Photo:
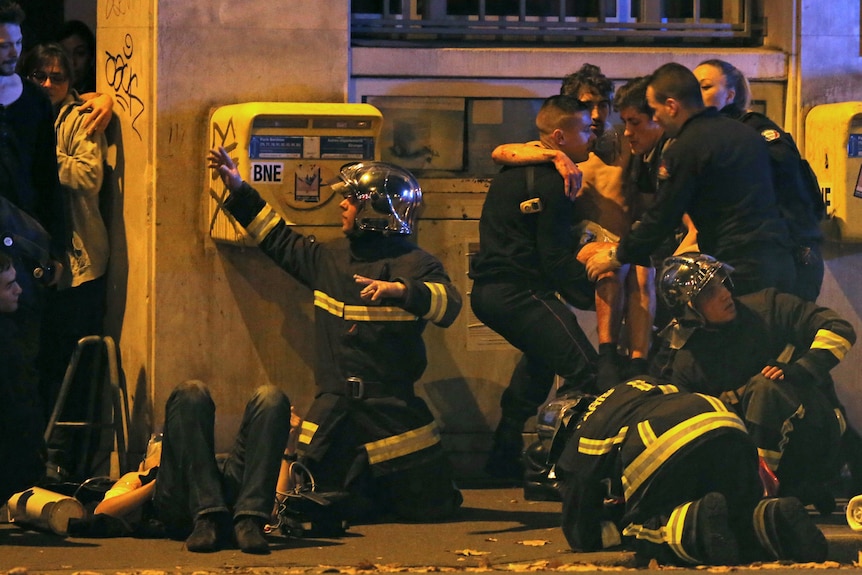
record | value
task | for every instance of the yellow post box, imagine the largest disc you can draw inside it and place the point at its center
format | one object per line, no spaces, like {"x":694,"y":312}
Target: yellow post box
{"x":288,"y":151}
{"x":833,"y":147}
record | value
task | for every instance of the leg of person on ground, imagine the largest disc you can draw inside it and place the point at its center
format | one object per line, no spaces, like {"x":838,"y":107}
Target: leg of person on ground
{"x":188,"y":497}
{"x":252,"y":467}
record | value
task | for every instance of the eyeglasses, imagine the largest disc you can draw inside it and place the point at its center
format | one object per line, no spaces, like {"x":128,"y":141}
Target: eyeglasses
{"x":56,"y":77}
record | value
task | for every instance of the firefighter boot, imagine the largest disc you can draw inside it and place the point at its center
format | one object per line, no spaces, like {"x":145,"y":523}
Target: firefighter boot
{"x":786,"y":531}
{"x":706,"y":534}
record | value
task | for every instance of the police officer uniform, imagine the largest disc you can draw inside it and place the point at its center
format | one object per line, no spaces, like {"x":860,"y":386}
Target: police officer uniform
{"x":366,"y":432}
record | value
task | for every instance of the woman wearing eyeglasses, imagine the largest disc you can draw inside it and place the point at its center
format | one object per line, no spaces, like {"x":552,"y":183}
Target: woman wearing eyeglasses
{"x":76,"y":308}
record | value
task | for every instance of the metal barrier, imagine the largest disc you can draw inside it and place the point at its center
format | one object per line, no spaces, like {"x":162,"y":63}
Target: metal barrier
{"x":105,"y":374}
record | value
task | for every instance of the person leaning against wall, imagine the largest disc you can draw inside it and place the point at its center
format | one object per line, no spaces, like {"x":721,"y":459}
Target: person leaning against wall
{"x":75,"y":308}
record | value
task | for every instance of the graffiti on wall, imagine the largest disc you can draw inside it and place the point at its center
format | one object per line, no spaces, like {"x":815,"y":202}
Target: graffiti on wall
{"x":123,"y":80}
{"x":117,"y":8}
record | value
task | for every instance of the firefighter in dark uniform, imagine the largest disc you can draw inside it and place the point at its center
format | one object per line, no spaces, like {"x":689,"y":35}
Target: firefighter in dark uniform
{"x":366,"y":433}
{"x":796,"y":189}
{"x":769,"y":354}
{"x":718,"y":172}
{"x":674,"y":476}
{"x":527,"y":256}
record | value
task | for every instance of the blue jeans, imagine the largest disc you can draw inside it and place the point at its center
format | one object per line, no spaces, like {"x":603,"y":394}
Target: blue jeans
{"x":190,"y":481}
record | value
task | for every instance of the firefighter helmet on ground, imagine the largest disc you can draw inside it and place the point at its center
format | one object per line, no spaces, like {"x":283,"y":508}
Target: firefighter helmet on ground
{"x":684,"y":276}
{"x":388,"y":197}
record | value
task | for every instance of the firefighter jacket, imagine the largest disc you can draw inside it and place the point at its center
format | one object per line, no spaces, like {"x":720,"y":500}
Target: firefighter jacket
{"x":376,"y":343}
{"x":619,"y":451}
{"x":716,"y":359}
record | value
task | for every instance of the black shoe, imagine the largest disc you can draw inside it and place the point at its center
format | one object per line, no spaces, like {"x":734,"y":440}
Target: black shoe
{"x":786,"y":531}
{"x":708,"y":537}
{"x":504,"y":460}
{"x":249,"y":535}
{"x":204,"y":537}
{"x":540,"y":483}
{"x":547,"y":490}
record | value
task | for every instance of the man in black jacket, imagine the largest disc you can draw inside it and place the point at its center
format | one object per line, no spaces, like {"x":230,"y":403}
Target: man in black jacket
{"x":22,"y":448}
{"x":718,"y":172}
{"x":527,"y":256}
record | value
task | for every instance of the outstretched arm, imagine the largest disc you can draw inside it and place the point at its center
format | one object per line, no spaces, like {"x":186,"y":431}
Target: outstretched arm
{"x":220,"y":161}
{"x":374,"y":290}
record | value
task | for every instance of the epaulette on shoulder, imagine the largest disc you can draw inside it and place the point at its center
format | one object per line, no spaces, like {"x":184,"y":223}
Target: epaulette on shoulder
{"x":770,"y":135}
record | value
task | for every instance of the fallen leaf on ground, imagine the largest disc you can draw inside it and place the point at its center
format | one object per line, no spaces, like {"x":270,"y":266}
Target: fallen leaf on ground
{"x":470,"y":552}
{"x":534,"y":542}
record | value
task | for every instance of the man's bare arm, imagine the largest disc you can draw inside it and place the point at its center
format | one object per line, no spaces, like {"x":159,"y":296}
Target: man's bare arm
{"x":535,"y":153}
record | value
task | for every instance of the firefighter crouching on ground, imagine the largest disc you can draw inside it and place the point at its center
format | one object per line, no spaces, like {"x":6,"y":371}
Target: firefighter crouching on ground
{"x":769,"y":355}
{"x":674,"y":476}
{"x":366,"y":433}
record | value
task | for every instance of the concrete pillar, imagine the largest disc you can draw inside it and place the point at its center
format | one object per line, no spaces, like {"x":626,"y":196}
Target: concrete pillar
{"x":180,"y":306}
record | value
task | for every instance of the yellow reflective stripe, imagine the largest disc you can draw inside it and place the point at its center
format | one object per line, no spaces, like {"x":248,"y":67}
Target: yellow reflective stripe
{"x":771,"y":458}
{"x":378,"y":313}
{"x":402,"y":444}
{"x":589,"y":446}
{"x":715,"y":402}
{"x":671,"y":441}
{"x":842,"y":421}
{"x":831,"y":342}
{"x":656,"y":536}
{"x":262,"y":224}
{"x":328,"y":304}
{"x":675,"y":526}
{"x":360,"y":312}
{"x":668,"y":388}
{"x":759,"y":521}
{"x":438,"y":302}
{"x":646,"y":433}
{"x":307,"y":431}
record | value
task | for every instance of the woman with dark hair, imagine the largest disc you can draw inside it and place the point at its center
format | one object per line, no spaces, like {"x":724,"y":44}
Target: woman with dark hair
{"x":79,"y":43}
{"x":76,"y":308}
